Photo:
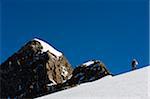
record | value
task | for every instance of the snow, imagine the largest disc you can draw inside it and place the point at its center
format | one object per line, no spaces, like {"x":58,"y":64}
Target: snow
{"x":70,"y":76}
{"x":131,"y":85}
{"x":64,"y":71}
{"x":47,"y":47}
{"x":53,"y":81}
{"x":88,"y":63}
{"x":51,"y":84}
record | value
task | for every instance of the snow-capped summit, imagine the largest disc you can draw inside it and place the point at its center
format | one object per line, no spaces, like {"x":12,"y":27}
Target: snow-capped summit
{"x":38,"y":68}
{"x":48,"y":47}
{"x":34,"y":69}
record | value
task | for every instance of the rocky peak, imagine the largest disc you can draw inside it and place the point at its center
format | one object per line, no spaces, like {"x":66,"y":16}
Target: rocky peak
{"x":38,"y":69}
{"x":33,"y":70}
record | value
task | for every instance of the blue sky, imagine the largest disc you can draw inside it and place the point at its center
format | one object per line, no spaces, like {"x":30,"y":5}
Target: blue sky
{"x":112,"y":31}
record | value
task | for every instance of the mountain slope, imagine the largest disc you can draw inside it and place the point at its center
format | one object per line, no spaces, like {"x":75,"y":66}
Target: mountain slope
{"x":131,"y":85}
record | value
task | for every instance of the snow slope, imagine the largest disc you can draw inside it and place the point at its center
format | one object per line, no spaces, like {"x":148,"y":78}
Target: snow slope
{"x":131,"y":85}
{"x":47,"y":47}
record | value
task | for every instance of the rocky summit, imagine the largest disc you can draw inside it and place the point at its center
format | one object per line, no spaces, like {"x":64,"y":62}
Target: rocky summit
{"x":33,"y":70}
{"x":38,"y":69}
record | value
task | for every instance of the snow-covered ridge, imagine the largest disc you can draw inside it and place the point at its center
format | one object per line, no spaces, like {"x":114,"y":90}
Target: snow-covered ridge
{"x":131,"y":85}
{"x":48,"y":47}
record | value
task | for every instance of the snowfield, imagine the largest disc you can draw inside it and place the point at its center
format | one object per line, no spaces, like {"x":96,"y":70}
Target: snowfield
{"x":131,"y":85}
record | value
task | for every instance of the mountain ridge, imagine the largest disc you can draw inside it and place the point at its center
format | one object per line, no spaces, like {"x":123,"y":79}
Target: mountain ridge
{"x":37,"y":68}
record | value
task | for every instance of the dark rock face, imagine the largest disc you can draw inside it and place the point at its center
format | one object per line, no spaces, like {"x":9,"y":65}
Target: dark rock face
{"x":31,"y":72}
{"x":84,"y":73}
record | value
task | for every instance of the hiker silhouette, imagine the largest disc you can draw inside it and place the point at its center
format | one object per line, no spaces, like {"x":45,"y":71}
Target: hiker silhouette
{"x":134,"y":64}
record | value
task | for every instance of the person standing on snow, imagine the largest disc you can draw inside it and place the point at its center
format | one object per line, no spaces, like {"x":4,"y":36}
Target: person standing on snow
{"x":134,"y":64}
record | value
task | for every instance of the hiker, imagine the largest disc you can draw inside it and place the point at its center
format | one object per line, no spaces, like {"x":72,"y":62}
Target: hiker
{"x":134,"y":64}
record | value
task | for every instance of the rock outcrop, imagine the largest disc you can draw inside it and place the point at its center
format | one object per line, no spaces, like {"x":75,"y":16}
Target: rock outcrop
{"x":87,"y":72}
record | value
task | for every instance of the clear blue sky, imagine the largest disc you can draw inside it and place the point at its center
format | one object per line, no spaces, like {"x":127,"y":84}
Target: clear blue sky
{"x":112,"y":31}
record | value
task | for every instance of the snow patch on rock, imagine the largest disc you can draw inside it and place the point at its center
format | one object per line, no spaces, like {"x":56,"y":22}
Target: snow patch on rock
{"x":48,"y":47}
{"x":88,"y":63}
{"x":64,"y":71}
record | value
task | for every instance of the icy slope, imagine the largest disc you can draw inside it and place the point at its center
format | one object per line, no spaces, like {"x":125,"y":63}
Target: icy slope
{"x":131,"y":85}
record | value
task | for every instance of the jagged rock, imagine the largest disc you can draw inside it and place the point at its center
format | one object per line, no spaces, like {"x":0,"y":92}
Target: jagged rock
{"x":58,"y":70}
{"x":87,"y":72}
{"x":35,"y":69}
